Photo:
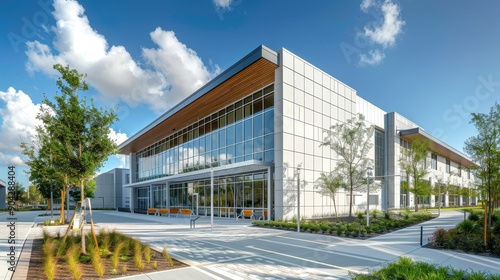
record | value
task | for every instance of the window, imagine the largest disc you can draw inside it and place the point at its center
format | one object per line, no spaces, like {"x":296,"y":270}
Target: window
{"x":459,"y":170}
{"x":434,"y":159}
{"x":448,"y":166}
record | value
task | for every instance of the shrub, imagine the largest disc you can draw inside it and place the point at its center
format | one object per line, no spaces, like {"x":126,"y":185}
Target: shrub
{"x":387,"y":215}
{"x":360,"y":215}
{"x":473,"y":216}
{"x":467,"y":227}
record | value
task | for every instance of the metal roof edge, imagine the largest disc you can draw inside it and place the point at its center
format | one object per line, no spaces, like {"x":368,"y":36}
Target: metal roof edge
{"x":258,"y":53}
{"x":421,"y":131}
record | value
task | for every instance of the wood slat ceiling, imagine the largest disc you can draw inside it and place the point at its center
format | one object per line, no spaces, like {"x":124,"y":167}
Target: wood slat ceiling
{"x":442,"y":151}
{"x":250,"y":79}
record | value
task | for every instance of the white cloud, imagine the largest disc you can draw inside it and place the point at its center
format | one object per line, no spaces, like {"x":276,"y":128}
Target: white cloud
{"x":18,"y":117}
{"x":365,"y":5}
{"x":382,"y":34}
{"x":373,"y":57}
{"x":112,"y":70}
{"x":118,"y":137}
{"x":386,"y":31}
{"x":223,"y":4}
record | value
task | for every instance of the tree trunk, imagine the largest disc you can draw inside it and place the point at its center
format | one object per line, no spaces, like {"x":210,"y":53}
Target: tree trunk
{"x":416,"y":201}
{"x":82,"y":197}
{"x":335,"y":206}
{"x":62,"y":217}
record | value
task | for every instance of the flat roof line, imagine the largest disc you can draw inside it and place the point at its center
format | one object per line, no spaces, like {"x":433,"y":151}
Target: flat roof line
{"x":418,"y":130}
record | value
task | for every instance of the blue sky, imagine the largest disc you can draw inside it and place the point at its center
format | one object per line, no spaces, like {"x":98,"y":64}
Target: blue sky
{"x":434,"y":62}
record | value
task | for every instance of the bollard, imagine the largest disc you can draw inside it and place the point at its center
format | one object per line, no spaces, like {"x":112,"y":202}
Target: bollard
{"x":465,"y":215}
{"x":421,"y":235}
{"x":359,"y":229}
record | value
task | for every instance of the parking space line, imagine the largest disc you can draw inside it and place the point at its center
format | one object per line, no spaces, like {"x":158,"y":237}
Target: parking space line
{"x":321,"y":250}
{"x":303,"y":259}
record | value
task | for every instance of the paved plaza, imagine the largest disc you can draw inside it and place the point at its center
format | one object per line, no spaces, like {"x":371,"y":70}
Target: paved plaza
{"x":236,"y":250}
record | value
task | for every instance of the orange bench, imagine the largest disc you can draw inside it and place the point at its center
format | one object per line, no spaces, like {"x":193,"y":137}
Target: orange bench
{"x":186,"y":212}
{"x":163,"y":211}
{"x":153,"y":211}
{"x":246,"y":214}
{"x":175,"y":211}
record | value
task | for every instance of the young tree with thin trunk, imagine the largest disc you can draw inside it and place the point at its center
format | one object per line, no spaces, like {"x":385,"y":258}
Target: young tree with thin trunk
{"x":414,"y":163}
{"x":351,"y":141}
{"x":484,"y":149}
{"x":78,"y":132}
{"x":329,"y":184}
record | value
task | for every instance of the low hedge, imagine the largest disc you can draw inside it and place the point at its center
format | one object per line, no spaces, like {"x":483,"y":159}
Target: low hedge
{"x":380,"y":224}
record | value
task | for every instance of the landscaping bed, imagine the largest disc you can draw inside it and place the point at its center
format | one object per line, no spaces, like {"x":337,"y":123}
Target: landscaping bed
{"x":55,"y":258}
{"x":468,"y":236}
{"x":405,"y":268}
{"x":380,"y":223}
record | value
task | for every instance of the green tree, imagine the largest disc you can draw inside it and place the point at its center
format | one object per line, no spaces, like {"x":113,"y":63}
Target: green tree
{"x":33,"y":195}
{"x":77,"y":133}
{"x":352,"y":142}
{"x":329,"y":184}
{"x":89,"y":191}
{"x":484,"y":150}
{"x":20,"y":194}
{"x":413,"y":163}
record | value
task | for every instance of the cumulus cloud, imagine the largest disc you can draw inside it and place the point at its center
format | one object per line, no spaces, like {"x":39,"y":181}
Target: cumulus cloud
{"x":373,"y":57}
{"x":18,"y":117}
{"x":117,"y":137}
{"x":18,"y":114}
{"x":112,"y":70}
{"x":222,"y":4}
{"x":383,"y":33}
{"x":365,"y":5}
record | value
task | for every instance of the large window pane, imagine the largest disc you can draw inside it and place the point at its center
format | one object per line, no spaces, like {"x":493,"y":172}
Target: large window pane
{"x":230,"y":135}
{"x":268,"y":101}
{"x":222,"y":138}
{"x":238,"y":132}
{"x":269,"y":122}
{"x":257,"y":125}
{"x":248,"y":147}
{"x":248,"y":129}
{"x":239,"y":149}
{"x":257,"y":145}
{"x":258,"y":194}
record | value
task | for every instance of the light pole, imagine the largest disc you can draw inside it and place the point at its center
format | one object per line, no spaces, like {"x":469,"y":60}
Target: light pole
{"x":368,"y":176}
{"x":298,"y":199}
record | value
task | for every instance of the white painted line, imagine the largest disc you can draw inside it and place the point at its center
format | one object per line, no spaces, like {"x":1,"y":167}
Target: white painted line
{"x":309,"y":241}
{"x":303,"y":259}
{"x":207,"y":273}
{"x":224,"y":273}
{"x":321,"y":250}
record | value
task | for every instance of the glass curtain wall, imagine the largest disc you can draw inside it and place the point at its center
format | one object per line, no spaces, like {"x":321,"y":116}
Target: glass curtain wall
{"x":242,"y":131}
{"x":232,"y":194}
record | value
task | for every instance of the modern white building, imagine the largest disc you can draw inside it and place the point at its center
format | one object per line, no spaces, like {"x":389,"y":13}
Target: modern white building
{"x":251,"y":128}
{"x":109,"y":192}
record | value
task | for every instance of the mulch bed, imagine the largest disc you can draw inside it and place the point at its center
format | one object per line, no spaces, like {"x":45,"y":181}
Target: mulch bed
{"x":36,"y":270}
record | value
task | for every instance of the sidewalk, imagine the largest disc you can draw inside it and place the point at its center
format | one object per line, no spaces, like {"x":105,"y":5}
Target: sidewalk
{"x":236,"y":250}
